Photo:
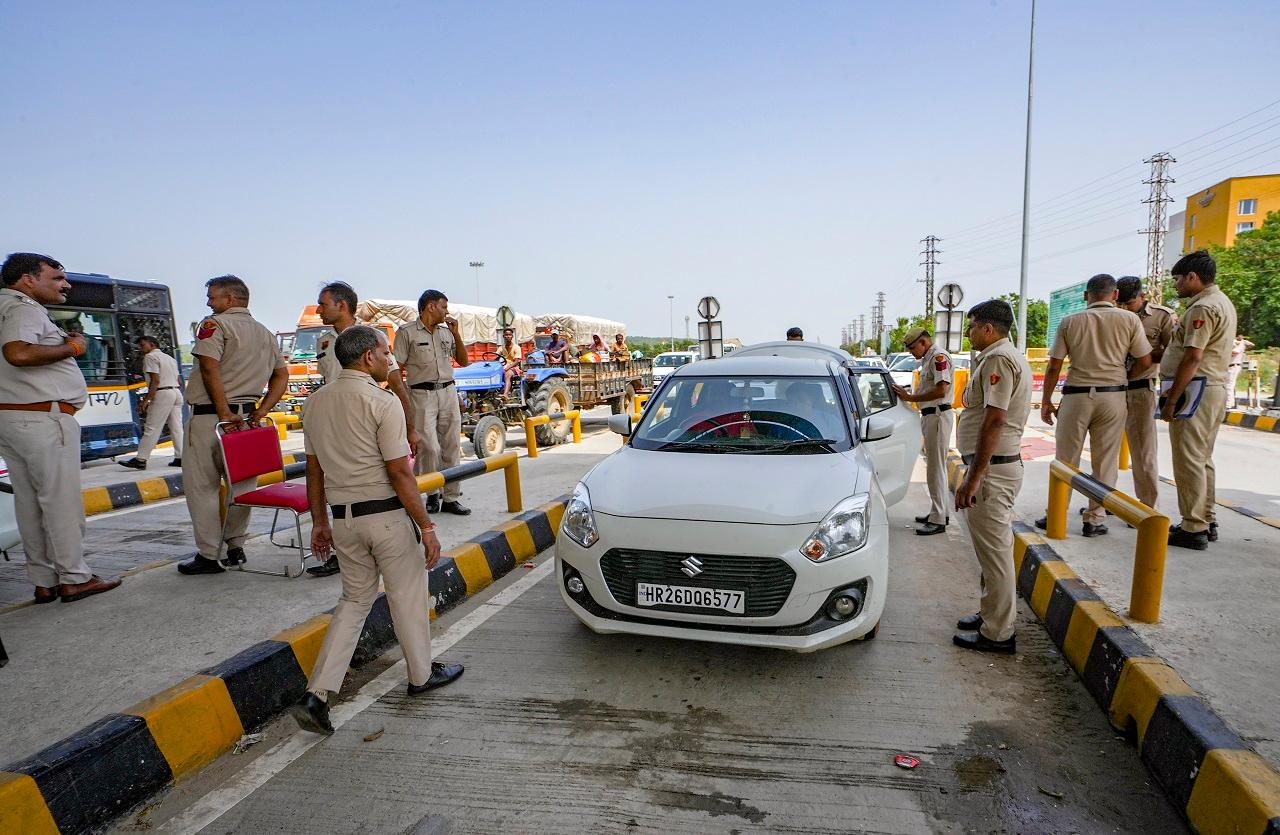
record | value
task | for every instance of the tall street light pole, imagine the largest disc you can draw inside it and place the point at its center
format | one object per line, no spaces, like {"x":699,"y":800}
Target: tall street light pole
{"x":477,"y":265}
{"x":671,"y":319}
{"x":1026,"y":190}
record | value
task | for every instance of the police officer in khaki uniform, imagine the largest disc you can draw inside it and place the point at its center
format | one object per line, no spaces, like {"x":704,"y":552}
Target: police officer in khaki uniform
{"x":358,"y":462}
{"x":996,"y":403}
{"x":1140,"y":416}
{"x":1201,"y":347}
{"x":1107,"y":348}
{"x":336,"y":307}
{"x":426,"y":349}
{"x":161,"y":406}
{"x":933,"y":393}
{"x":41,"y":388}
{"x":237,"y":357}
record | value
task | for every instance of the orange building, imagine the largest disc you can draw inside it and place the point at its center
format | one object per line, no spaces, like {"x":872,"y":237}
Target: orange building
{"x":1222,"y":211}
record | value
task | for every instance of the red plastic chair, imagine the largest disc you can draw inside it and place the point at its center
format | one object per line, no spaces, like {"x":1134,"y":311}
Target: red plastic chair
{"x":255,"y":452}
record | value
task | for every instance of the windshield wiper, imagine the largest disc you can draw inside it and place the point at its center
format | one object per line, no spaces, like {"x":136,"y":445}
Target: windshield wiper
{"x":692,"y":446}
{"x":825,"y":444}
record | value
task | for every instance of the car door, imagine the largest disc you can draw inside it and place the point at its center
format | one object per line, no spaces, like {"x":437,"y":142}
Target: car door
{"x":895,"y":456}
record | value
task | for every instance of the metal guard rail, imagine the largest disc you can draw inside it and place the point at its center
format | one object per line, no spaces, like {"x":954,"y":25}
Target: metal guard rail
{"x":1153,"y":533}
{"x":508,"y":462}
{"x":531,"y":438}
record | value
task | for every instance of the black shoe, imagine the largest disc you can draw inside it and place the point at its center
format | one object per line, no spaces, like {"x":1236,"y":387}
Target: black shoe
{"x":312,"y":714}
{"x":235,"y":556}
{"x":920,"y":520}
{"x":1188,"y":539}
{"x":969,"y":623}
{"x":200,"y":565}
{"x":177,"y":462}
{"x":981,"y":643}
{"x":1043,"y":523}
{"x":1094,"y":530}
{"x":433,"y":504}
{"x":455,"y":508}
{"x":133,"y":464}
{"x":441,"y":674}
{"x":929,"y":529}
{"x":1213,"y":531}
{"x":329,"y":568}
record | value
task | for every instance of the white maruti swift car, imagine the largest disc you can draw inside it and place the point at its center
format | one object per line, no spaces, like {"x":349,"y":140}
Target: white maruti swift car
{"x":747,"y":506}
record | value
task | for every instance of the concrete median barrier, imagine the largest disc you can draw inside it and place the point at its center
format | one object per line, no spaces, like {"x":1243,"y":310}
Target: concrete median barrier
{"x":91,"y":778}
{"x":1245,"y":420}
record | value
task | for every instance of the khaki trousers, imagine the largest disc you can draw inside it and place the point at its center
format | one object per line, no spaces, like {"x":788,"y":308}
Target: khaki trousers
{"x":201,"y":476}
{"x":990,"y":523}
{"x":1233,"y":377}
{"x":1192,"y":441}
{"x":1140,"y":427}
{"x":166,"y":407}
{"x":937,"y":440}
{"x":438,"y":416}
{"x":42,"y":451}
{"x":1101,"y":416}
{"x":386,"y":544}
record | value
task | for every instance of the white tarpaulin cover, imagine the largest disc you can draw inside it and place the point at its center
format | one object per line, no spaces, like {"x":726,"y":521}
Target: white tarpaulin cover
{"x":477,"y":324}
{"x":578,"y":329}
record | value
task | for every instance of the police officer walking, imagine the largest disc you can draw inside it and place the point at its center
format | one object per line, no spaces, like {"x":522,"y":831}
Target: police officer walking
{"x":933,"y":393}
{"x":996,"y":403}
{"x":358,"y":463}
{"x":162,"y":405}
{"x":1107,"y":348}
{"x":236,"y":358}
{"x":1201,"y":348}
{"x":427,"y":348}
{"x":1140,"y":414}
{"x":41,"y":388}
{"x":336,"y":307}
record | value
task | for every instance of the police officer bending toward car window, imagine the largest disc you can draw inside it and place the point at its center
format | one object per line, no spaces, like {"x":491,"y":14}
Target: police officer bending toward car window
{"x":1108,"y":348}
{"x":237,"y":358}
{"x":41,"y":388}
{"x":358,"y":464}
{"x":427,"y":348}
{"x":996,"y":403}
{"x":933,"y":393}
{"x":1140,"y":413}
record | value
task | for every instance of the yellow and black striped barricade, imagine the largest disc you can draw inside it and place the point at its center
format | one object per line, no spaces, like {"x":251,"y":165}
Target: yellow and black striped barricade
{"x":283,"y":422}
{"x":531,"y":438}
{"x":508,"y":462}
{"x":639,"y":402}
{"x":1153,"y":533}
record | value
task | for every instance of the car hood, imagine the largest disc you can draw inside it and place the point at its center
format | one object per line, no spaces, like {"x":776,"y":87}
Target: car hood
{"x":760,"y":489}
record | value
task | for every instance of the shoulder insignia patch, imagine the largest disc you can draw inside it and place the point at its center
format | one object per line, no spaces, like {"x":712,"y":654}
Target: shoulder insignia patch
{"x":994,"y":378}
{"x":940,"y":362}
{"x":207,"y":329}
{"x":1197,"y":323}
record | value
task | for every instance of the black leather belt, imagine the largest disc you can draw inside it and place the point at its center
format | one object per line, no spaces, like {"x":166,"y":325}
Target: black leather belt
{"x":995,"y":459}
{"x":1087,"y":389}
{"x":366,"y":508}
{"x":928,"y":410}
{"x":210,"y":409}
{"x":1135,"y":385}
{"x":431,"y":386}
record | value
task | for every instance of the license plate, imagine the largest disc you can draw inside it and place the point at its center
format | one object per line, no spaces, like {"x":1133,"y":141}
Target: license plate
{"x":653,"y":594}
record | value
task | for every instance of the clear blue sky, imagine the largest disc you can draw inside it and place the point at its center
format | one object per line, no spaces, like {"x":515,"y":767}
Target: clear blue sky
{"x":597,"y":157}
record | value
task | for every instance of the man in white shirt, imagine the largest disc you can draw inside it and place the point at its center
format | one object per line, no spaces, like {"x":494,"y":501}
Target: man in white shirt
{"x":162,"y":405}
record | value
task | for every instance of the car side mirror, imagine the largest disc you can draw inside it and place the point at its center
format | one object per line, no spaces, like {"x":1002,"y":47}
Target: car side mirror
{"x":879,"y":427}
{"x":620,"y":424}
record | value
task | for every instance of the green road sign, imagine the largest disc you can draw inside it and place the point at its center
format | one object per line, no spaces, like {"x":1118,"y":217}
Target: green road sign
{"x":1064,"y":302}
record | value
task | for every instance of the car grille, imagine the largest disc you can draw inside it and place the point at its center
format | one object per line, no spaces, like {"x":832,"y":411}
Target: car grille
{"x":767,"y":581}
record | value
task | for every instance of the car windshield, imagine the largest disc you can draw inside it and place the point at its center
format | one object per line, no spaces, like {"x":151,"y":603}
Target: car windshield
{"x":745,"y":415}
{"x":304,"y":344}
{"x":904,"y":362}
{"x":671,"y":360}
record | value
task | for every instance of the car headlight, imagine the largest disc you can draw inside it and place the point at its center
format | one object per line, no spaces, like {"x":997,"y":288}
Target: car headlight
{"x":579,"y":522}
{"x":843,"y":531}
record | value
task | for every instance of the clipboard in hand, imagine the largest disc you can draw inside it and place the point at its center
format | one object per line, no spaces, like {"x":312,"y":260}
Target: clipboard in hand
{"x":1187,"y":403}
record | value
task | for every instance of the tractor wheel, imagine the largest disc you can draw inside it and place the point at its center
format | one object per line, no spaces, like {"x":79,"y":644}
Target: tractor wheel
{"x":550,"y":398}
{"x":489,"y":437}
{"x":626,"y":403}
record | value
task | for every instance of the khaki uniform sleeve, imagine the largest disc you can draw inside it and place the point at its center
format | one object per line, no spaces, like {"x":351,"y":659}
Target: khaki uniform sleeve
{"x":392,"y":431}
{"x":997,"y":382}
{"x":211,"y":339}
{"x":151,"y":363}
{"x":1138,"y":344}
{"x":1198,"y":327}
{"x":25,"y":323}
{"x":1166,"y":331}
{"x":401,"y":349}
{"x":1059,"y":349}
{"x":943,"y":369}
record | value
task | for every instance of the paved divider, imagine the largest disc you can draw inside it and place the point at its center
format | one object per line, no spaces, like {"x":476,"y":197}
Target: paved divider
{"x":1245,"y":420}
{"x":103,"y":771}
{"x":1205,"y":768}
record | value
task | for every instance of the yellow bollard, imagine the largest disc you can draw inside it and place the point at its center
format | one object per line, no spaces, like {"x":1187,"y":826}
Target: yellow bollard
{"x":511,"y":474}
{"x":1148,"y":569}
{"x":1124,"y":451}
{"x":1059,"y":501}
{"x":577,"y":426}
{"x":640,"y":400}
{"x":530,"y":438}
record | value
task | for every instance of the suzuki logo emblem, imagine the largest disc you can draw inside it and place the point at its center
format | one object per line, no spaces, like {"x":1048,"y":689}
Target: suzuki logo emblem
{"x":691,"y":566}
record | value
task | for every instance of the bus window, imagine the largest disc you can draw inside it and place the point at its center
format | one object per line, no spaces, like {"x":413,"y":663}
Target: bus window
{"x":100,"y":361}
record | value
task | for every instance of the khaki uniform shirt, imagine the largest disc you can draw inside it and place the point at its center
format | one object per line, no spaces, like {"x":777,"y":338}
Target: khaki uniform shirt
{"x":162,"y":365}
{"x":1000,"y":378}
{"x":936,"y":367}
{"x":1208,"y":324}
{"x":23,"y":319}
{"x":327,"y":361}
{"x":354,"y":427}
{"x":246,"y":352}
{"x":427,"y":355}
{"x":1100,"y":340}
{"x":1157,"y":323}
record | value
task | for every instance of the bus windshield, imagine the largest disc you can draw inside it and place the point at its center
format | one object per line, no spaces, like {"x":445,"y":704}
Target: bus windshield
{"x":304,"y":344}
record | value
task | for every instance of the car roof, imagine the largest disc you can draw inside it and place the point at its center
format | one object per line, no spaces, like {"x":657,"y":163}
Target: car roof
{"x":677,"y":353}
{"x":766,"y":365}
{"x":785,"y":348}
